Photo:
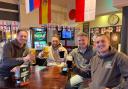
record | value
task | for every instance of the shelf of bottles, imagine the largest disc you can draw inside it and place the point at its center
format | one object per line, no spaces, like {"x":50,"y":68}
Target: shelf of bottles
{"x":8,"y":30}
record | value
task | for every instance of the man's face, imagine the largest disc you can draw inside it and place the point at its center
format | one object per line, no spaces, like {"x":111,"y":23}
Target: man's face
{"x":22,"y":37}
{"x":82,"y":41}
{"x":102,"y":44}
{"x":55,"y":42}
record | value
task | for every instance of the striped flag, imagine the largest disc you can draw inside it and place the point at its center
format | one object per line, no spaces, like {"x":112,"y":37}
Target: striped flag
{"x":31,"y":5}
{"x":45,"y":12}
{"x":85,"y":10}
{"x":37,"y":3}
{"x":80,"y":10}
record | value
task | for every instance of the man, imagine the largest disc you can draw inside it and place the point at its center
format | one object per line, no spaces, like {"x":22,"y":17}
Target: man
{"x":108,"y":66}
{"x":14,"y":54}
{"x":81,"y":57}
{"x":53,"y":52}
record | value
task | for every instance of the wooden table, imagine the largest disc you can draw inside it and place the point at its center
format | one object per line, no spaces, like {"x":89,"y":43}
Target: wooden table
{"x":51,"y":78}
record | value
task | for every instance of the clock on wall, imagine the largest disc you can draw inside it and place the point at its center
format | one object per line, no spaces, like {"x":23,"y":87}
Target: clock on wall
{"x":113,"y":19}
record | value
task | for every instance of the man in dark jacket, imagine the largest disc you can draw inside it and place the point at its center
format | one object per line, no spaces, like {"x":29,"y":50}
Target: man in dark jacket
{"x":15,"y":53}
{"x":81,"y":57}
{"x":108,"y":67}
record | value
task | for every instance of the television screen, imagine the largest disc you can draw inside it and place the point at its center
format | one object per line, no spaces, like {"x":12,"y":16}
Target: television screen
{"x":67,"y":34}
{"x":39,"y":44}
{"x":40,"y":38}
{"x":39,"y":34}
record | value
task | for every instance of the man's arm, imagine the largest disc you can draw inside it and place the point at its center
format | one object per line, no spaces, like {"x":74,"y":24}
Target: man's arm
{"x":123,"y":65}
{"x":8,"y":61}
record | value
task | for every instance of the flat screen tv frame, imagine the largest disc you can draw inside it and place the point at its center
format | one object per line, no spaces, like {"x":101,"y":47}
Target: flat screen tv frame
{"x":32,"y":32}
{"x":71,"y":32}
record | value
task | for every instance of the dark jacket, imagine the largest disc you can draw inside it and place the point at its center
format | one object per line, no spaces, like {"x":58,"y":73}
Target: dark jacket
{"x":12,"y":56}
{"x":81,"y":60}
{"x":107,"y":70}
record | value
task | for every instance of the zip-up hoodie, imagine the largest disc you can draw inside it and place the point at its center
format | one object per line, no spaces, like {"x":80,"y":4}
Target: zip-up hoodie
{"x":107,"y":70}
{"x":12,"y":56}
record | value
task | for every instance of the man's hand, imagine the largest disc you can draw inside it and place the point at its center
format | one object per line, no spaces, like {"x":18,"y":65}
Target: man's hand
{"x":17,"y":68}
{"x":61,"y":49}
{"x":29,"y":57}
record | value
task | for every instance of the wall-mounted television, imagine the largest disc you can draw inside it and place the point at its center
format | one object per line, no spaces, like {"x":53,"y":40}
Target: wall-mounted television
{"x":67,"y":35}
{"x":39,"y":38}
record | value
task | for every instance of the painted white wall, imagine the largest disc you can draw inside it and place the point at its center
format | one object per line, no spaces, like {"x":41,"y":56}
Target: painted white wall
{"x":28,"y":20}
{"x":58,"y":14}
{"x":104,"y":6}
{"x":102,"y":21}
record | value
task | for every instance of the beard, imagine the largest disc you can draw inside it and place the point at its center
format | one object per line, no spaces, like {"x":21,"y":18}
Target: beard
{"x":55,"y":46}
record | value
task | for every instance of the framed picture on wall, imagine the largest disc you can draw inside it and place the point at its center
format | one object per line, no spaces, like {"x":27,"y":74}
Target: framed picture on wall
{"x":115,"y":39}
{"x":86,"y":27}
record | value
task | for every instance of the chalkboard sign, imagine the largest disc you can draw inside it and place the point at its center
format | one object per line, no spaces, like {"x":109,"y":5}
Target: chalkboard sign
{"x":24,"y":73}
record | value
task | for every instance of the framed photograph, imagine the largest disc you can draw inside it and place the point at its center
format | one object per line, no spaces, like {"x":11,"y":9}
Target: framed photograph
{"x":86,"y":27}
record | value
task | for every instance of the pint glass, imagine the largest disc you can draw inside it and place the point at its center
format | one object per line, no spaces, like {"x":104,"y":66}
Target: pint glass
{"x":33,"y":52}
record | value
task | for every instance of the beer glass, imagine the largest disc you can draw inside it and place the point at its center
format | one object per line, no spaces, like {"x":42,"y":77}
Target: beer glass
{"x":45,"y":52}
{"x":61,"y":54}
{"x":33,"y":52}
{"x":69,"y":61}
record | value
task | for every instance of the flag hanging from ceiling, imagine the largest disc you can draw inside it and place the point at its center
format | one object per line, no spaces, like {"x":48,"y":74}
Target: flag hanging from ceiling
{"x":85,"y":10}
{"x":45,"y":12}
{"x":80,"y":10}
{"x":31,"y":5}
{"x":37,"y":3}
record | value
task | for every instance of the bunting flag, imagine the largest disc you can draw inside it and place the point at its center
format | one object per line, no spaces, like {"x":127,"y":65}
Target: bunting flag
{"x":85,"y":10}
{"x":45,"y":12}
